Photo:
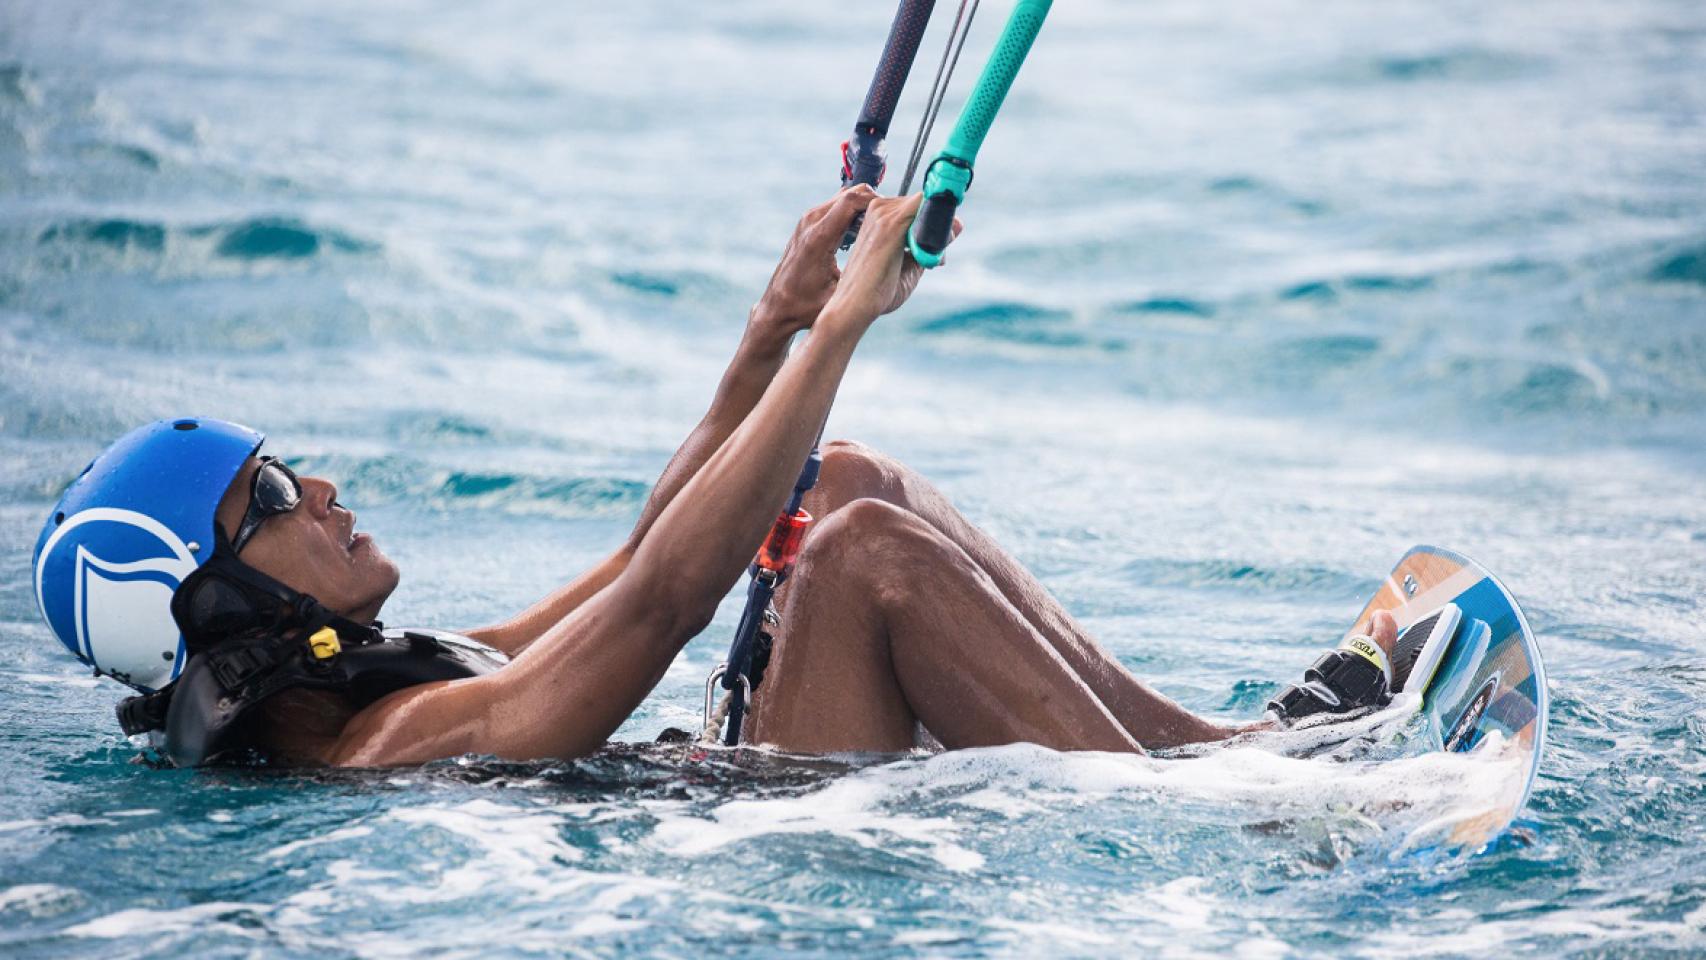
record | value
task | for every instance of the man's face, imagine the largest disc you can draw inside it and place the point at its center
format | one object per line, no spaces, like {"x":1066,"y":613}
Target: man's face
{"x":314,"y":548}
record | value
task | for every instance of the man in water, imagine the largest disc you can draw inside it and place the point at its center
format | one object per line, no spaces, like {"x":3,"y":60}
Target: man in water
{"x":900,"y":616}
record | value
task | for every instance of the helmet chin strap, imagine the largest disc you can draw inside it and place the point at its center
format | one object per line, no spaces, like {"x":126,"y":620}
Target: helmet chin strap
{"x":306,"y":613}
{"x":247,"y":654}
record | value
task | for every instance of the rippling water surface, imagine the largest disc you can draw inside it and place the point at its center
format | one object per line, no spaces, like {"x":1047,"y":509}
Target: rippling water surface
{"x":1253,"y":296}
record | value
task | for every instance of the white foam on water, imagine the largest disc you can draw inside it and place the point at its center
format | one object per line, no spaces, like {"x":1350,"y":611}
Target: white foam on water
{"x":1427,"y":793}
{"x":514,"y":852}
{"x":385,"y":944}
{"x":352,"y":874}
{"x":1177,"y":917}
{"x":1008,"y":805}
{"x":512,"y":844}
{"x":599,"y":926}
{"x":64,"y":680}
{"x":581,"y":904}
{"x":1261,"y":948}
{"x":1696,"y":919}
{"x":740,"y":921}
{"x":39,"y":899}
{"x":310,"y":900}
{"x":1056,"y":934}
{"x":926,"y":937}
{"x":848,"y":808}
{"x":342,"y":833}
{"x":1601,"y":926}
{"x":1182,"y":904}
{"x":1431,"y":800}
{"x":203,"y":917}
{"x":1185,"y":917}
{"x":572,"y":915}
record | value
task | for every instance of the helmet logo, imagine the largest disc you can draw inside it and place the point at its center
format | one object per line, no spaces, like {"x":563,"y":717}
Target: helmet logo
{"x":124,"y":568}
{"x":119,"y":600}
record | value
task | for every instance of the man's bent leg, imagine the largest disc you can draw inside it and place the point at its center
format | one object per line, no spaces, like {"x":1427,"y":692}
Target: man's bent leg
{"x":891,"y":622}
{"x":852,"y":471}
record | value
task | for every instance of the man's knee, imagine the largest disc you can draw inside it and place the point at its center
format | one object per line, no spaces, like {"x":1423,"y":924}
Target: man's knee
{"x":853,"y":466}
{"x":869,"y":529}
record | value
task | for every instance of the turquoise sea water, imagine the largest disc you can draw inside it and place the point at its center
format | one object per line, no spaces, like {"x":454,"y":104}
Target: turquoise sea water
{"x":1253,"y":297}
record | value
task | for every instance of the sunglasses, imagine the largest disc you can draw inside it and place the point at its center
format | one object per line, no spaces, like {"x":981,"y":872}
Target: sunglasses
{"x":274,"y":490}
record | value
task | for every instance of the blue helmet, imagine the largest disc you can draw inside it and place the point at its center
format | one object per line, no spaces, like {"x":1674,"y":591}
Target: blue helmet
{"x":128,"y":530}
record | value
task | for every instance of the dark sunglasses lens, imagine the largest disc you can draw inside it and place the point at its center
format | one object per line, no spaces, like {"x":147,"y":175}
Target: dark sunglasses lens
{"x":276,"y":489}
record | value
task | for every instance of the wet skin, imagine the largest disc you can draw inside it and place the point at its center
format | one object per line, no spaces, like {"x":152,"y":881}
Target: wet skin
{"x":315,"y":548}
{"x":901,"y":612}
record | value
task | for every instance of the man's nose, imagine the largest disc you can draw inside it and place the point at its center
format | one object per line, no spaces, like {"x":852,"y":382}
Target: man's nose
{"x":319,"y":495}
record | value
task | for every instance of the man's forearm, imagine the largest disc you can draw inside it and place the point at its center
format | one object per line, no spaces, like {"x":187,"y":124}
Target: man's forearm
{"x":760,"y":354}
{"x":762,"y":349}
{"x":804,"y":279}
{"x":707,"y":536}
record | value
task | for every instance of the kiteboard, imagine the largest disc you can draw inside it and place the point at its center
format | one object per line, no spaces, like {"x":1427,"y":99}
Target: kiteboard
{"x":1468,"y":662}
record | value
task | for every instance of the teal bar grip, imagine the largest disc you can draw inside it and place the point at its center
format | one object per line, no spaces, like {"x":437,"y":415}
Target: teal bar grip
{"x":949,"y":176}
{"x":997,"y":78}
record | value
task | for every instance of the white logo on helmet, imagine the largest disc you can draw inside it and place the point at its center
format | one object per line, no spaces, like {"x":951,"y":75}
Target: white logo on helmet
{"x":122,"y":610}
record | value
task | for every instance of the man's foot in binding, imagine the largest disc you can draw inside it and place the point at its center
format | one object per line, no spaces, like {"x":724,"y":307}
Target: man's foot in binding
{"x":1354,"y":678}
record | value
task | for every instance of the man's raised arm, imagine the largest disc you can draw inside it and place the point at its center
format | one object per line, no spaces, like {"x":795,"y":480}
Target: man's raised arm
{"x":567,"y":692}
{"x":802,"y":283}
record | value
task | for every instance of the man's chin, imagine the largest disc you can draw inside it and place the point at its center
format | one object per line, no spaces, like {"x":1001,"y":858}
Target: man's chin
{"x":380,"y":571}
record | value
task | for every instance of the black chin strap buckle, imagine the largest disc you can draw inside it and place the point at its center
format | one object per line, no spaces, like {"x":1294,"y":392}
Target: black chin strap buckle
{"x":144,"y":713}
{"x":234,"y":666}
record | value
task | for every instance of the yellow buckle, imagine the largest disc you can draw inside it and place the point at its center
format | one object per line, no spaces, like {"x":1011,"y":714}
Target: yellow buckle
{"x":324,"y":644}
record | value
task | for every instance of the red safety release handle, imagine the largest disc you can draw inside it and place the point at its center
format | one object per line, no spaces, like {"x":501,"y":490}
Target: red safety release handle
{"x":782,"y":547}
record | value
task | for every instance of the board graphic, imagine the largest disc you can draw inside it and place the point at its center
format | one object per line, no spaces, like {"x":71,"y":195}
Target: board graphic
{"x":1486,"y":678}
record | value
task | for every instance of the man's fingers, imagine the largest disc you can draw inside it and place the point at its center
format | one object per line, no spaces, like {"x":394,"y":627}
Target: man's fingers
{"x":811,"y":217}
{"x":893,"y":215}
{"x":838,"y":214}
{"x":886,"y":221}
{"x":852,"y":198}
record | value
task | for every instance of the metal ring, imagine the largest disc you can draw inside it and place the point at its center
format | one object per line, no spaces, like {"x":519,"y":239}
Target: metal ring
{"x":710,"y":691}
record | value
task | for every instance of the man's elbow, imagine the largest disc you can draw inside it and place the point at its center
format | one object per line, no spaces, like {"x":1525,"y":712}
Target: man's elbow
{"x":685,"y":617}
{"x":696,"y":621}
{"x":670,"y":587}
{"x":673,"y":607}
